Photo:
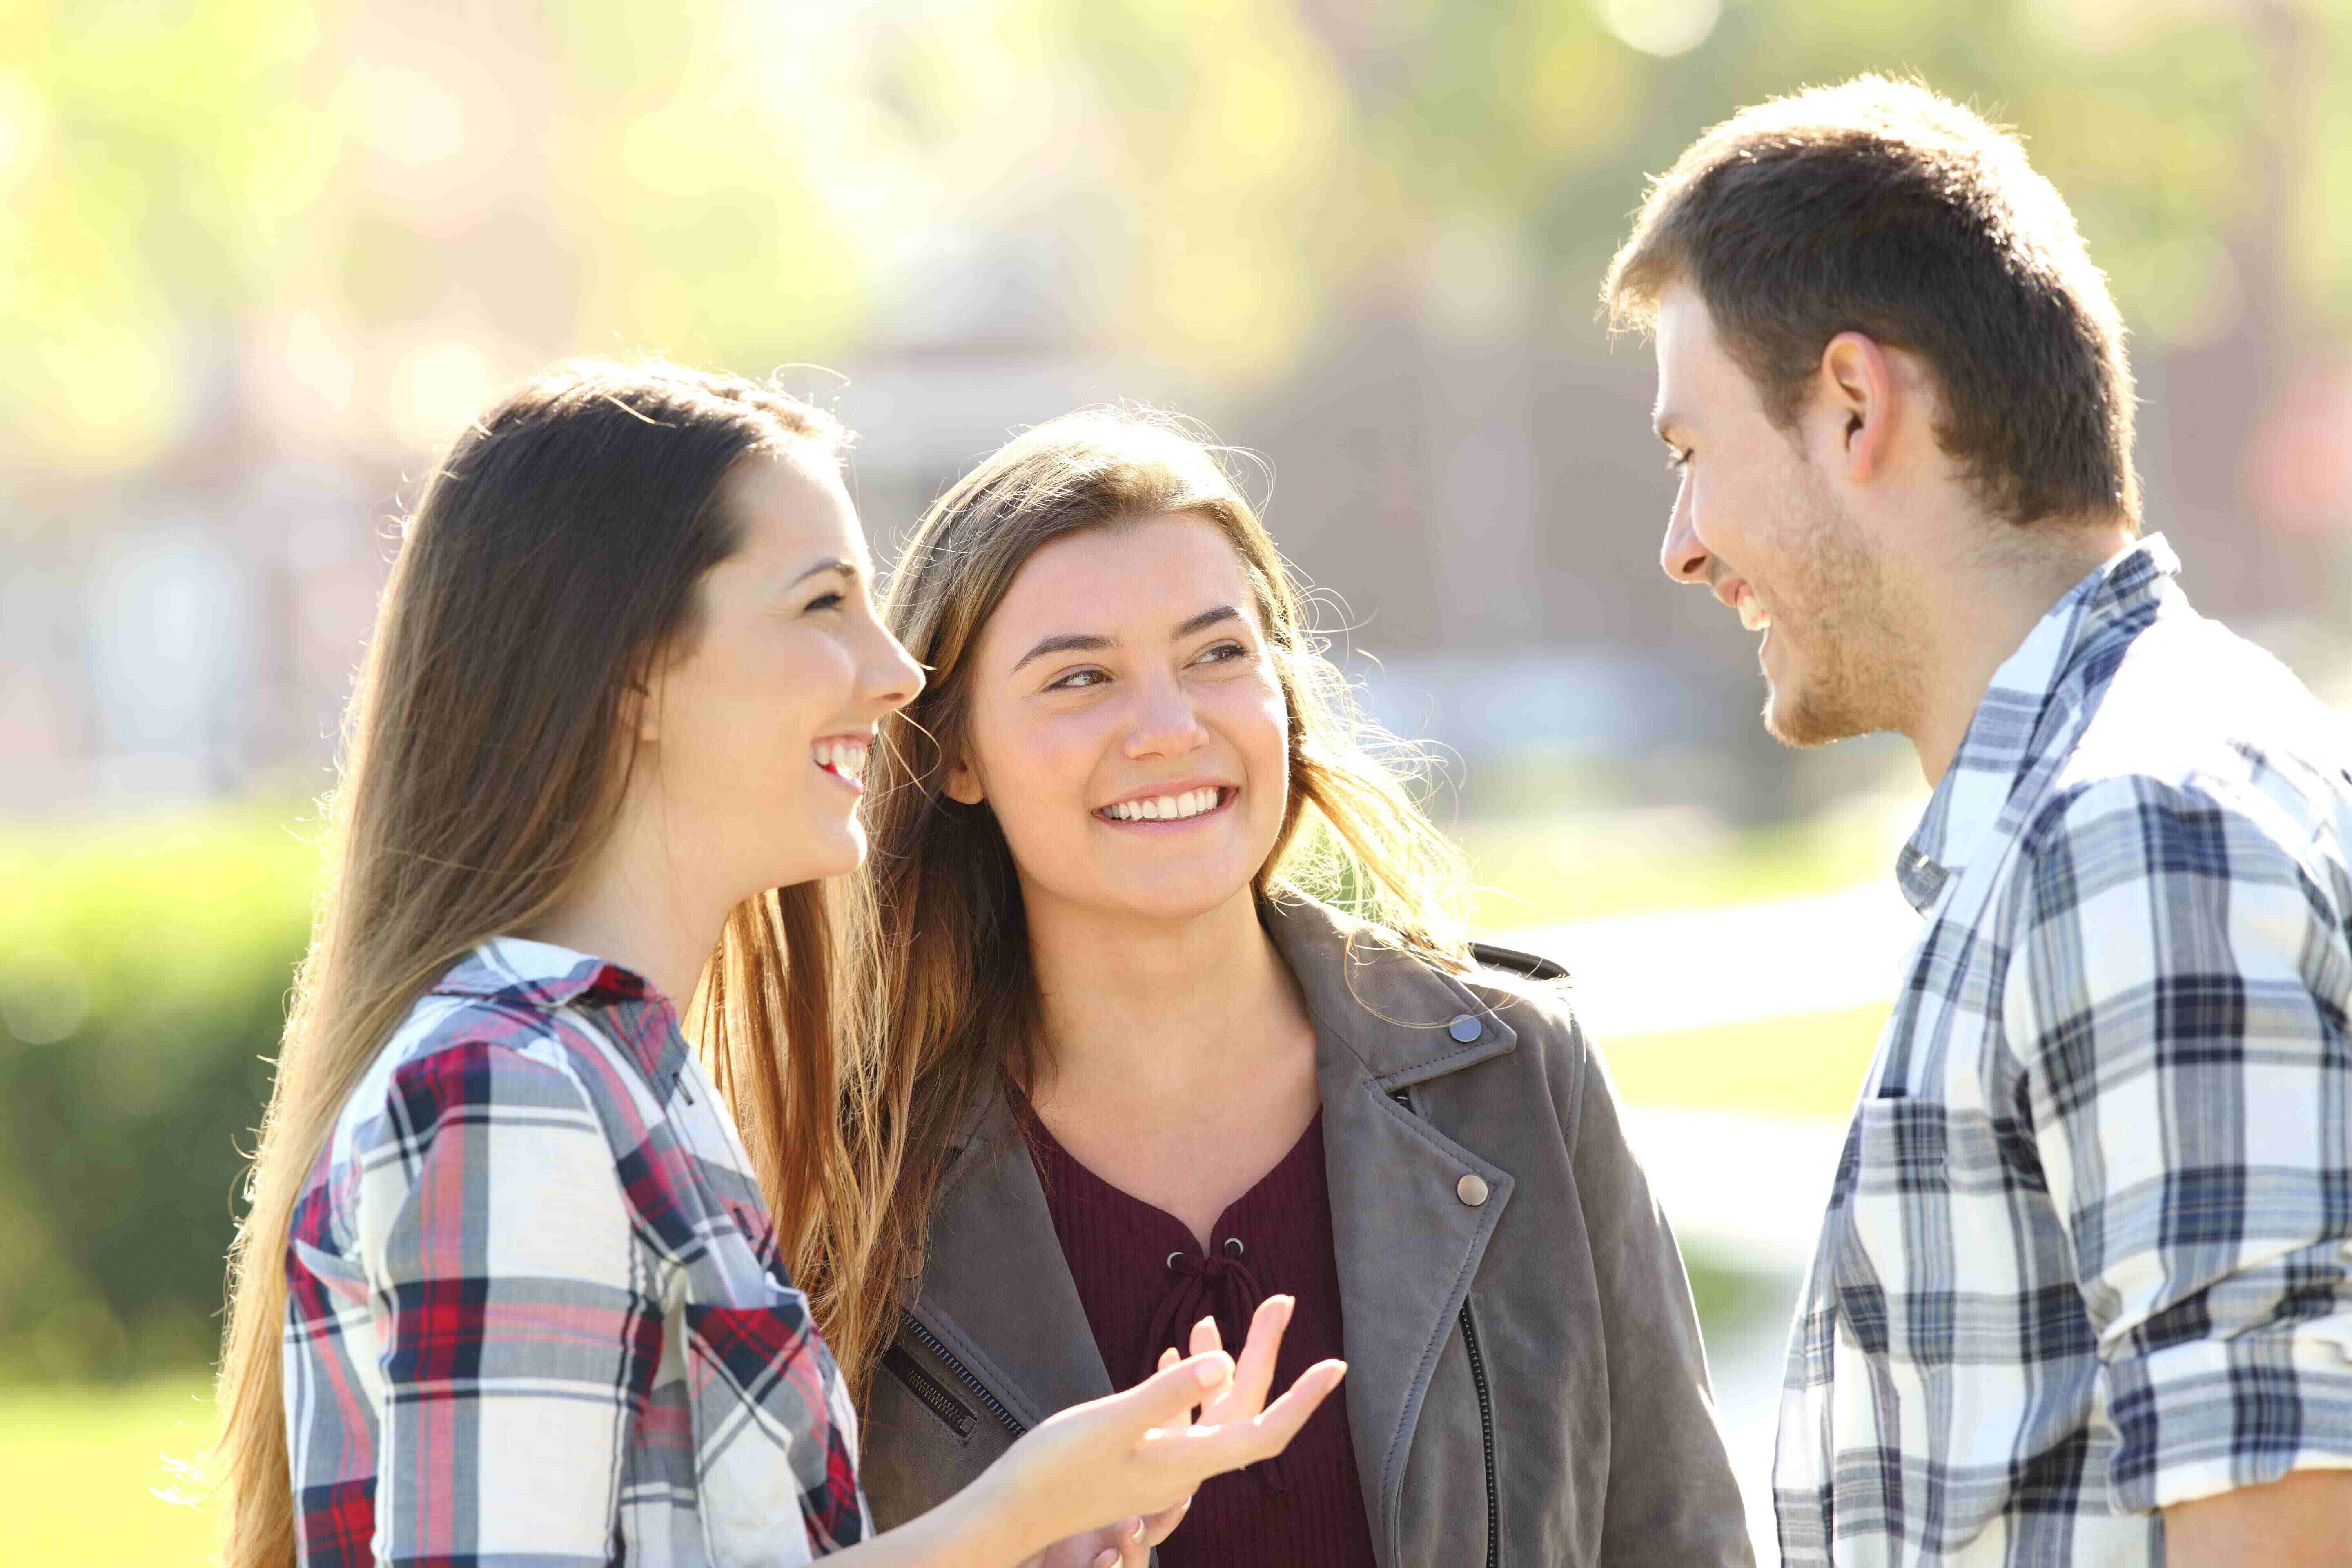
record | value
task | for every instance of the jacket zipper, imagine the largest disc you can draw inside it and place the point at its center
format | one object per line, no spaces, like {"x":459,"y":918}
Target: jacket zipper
{"x":1486,"y":1431}
{"x":995,"y":1406}
{"x":1486,"y":1411}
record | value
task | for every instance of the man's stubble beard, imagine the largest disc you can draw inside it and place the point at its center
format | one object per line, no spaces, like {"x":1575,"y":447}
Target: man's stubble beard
{"x":1847,"y":673}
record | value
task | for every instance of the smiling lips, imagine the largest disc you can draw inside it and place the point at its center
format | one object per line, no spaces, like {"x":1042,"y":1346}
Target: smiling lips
{"x":1178,"y":807}
{"x":1752,"y":613}
{"x":843,"y":756}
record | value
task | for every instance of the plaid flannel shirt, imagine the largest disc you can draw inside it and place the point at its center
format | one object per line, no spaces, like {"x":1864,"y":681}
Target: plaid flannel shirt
{"x":534,"y":1312}
{"x":2088,"y":1251}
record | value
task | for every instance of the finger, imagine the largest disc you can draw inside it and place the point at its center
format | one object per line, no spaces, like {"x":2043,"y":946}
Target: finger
{"x":1134,"y":1550}
{"x":1206,"y":1339}
{"x":1254,"y":1370}
{"x":1170,"y":1394}
{"x":1168,"y":1358}
{"x":1161,"y":1525}
{"x":1212,"y":1450}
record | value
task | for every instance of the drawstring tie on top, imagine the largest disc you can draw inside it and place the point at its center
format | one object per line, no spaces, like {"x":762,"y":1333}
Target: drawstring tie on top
{"x":1220,"y":1286}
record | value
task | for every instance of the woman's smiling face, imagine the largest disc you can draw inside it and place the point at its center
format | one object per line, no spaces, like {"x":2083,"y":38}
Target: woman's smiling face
{"x":1126,"y":722}
{"x":764,"y":716}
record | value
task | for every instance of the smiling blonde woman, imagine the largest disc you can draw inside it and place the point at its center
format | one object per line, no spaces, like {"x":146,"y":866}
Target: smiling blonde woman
{"x":1148,"y":1091}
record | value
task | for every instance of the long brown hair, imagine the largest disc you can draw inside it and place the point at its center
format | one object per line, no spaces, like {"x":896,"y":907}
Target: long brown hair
{"x":553,"y":556}
{"x":945,"y":1000}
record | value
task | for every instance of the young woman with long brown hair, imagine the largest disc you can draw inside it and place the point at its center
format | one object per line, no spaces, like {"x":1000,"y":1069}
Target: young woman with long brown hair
{"x":510,"y":1287}
{"x":1148,"y":1076}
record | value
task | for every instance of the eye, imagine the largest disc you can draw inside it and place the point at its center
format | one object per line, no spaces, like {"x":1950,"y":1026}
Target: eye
{"x":1078,"y":680}
{"x":832,"y":601}
{"x":1221,"y":653}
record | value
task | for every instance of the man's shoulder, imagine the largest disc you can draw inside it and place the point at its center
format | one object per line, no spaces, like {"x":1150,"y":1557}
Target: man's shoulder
{"x":2188,"y":713}
{"x":2196,"y":755}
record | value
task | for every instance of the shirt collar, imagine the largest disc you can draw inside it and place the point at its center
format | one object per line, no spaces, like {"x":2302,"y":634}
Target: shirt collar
{"x":540,"y":975}
{"x":1999,"y":742}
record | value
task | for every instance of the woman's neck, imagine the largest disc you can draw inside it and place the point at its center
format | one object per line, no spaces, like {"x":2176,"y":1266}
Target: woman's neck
{"x":637,"y":904}
{"x":1143,"y":1011}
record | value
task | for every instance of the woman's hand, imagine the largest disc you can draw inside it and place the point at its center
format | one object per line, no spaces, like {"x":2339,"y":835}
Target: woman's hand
{"x":1129,"y":1544}
{"x":1141,"y":1454}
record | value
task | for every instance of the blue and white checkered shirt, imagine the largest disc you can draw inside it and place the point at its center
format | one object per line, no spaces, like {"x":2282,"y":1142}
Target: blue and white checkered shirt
{"x":2089,"y":1249}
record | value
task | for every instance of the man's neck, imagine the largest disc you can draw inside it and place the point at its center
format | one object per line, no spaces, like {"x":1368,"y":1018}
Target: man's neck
{"x":1977,"y":610}
{"x":1148,"y":1010}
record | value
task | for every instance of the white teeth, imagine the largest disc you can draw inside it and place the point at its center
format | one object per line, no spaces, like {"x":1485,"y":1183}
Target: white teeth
{"x":1752,"y":614}
{"x":847,"y":758}
{"x":1164,"y":808}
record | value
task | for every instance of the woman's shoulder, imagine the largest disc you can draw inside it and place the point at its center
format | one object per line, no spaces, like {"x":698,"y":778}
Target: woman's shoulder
{"x":1533,"y":993}
{"x":1353,"y":968}
{"x":509,"y":1025}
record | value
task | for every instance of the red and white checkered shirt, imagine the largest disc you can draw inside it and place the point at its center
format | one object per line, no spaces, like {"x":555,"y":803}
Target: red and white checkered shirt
{"x":534,"y":1313}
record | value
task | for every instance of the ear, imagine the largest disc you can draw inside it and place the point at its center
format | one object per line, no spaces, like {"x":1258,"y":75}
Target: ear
{"x":641,"y":708}
{"x":964,"y":783}
{"x":1857,"y":394}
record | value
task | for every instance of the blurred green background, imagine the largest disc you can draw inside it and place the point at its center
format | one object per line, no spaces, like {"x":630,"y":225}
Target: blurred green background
{"x":257,"y":256}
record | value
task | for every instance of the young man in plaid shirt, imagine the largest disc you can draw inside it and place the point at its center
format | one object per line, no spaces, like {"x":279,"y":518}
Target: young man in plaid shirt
{"x":2083,"y":1292}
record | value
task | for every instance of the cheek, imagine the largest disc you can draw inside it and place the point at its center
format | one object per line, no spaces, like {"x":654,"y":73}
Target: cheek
{"x":787,"y":699}
{"x":1035,"y":771}
{"x":1256,"y":724}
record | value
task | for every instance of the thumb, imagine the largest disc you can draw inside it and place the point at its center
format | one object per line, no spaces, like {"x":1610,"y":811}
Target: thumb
{"x":1168,"y":1395}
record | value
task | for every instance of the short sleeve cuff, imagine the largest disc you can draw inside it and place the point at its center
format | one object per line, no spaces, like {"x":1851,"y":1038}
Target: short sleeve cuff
{"x":2218,"y":1416}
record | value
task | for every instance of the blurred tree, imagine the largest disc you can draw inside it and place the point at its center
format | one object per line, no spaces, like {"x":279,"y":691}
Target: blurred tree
{"x":377,"y":209}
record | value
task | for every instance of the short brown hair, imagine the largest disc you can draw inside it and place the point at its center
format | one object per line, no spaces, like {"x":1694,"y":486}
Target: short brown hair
{"x":1878,"y":206}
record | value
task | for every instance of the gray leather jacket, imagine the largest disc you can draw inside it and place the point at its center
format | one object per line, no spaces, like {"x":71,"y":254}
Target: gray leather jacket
{"x":1526,"y":1384}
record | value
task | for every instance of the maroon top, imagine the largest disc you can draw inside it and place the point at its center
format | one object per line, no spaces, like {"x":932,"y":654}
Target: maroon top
{"x":1144,"y":1284}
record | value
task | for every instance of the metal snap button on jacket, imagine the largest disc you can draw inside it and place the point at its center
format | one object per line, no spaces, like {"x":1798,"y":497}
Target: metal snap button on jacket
{"x":1465,"y":1029}
{"x":1471,"y":1190}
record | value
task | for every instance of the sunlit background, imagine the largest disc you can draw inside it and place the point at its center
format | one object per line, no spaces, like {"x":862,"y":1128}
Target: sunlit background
{"x":258,"y":257}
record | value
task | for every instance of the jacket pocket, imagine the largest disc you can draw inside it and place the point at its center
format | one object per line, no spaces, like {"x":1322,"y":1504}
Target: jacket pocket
{"x":931,"y":1392}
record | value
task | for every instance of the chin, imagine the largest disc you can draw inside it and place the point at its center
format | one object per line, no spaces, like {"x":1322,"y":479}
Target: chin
{"x":1800,"y":720}
{"x":1188,"y":900}
{"x":833,"y":849}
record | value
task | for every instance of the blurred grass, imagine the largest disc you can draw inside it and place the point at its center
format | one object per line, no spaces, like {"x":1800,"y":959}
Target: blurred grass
{"x":1531,"y":871}
{"x":1802,"y":1064}
{"x":85,"y":1465}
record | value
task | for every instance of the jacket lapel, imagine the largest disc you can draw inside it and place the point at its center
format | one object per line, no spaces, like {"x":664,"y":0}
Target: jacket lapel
{"x":1407,"y":1243}
{"x":1030,"y":1343}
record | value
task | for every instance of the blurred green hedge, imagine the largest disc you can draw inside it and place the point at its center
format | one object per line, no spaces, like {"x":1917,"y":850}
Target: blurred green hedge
{"x":143,"y":971}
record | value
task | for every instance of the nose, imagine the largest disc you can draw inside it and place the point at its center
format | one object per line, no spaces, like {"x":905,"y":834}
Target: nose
{"x":889,"y":677}
{"x":1682,"y":556}
{"x":1164,"y":724}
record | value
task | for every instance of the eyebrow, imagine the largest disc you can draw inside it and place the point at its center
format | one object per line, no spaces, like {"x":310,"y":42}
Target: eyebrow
{"x":1095,"y":642}
{"x":842,"y":565}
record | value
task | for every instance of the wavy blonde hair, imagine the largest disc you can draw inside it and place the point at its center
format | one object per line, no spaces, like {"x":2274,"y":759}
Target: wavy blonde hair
{"x":943,"y":1007}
